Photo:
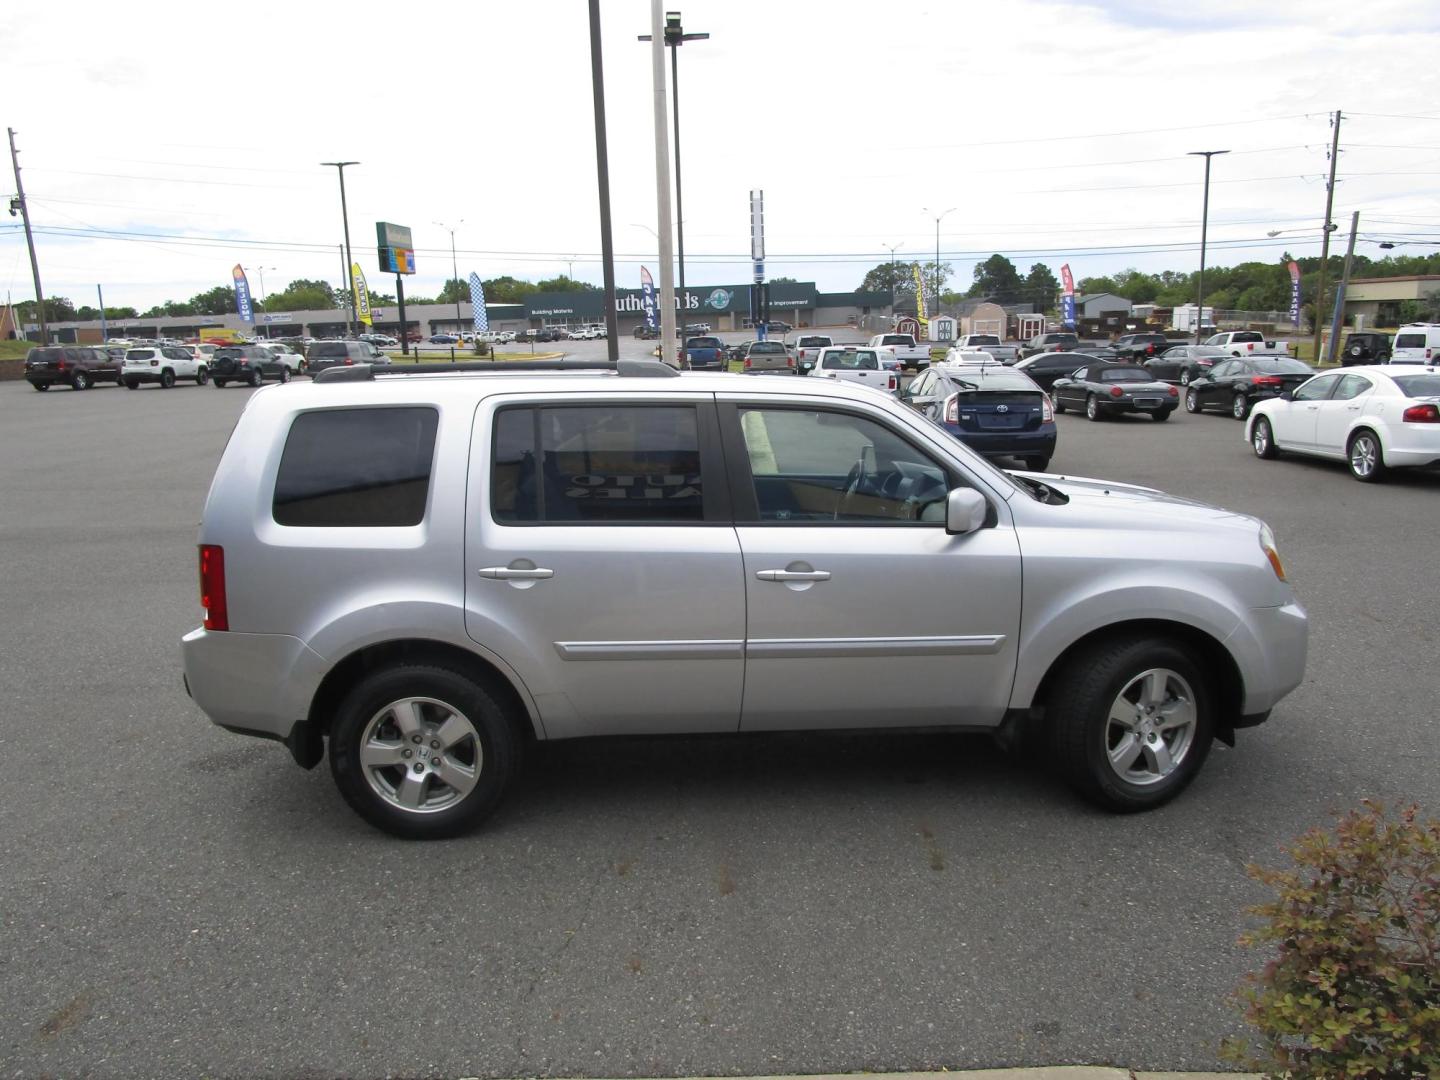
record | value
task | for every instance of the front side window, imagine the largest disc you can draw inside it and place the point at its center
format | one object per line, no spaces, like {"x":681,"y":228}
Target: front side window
{"x":1317,"y":389}
{"x":814,"y":466}
{"x":356,"y":467}
{"x":597,"y":465}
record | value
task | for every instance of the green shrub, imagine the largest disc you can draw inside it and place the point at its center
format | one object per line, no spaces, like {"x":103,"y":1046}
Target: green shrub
{"x":1353,"y":989}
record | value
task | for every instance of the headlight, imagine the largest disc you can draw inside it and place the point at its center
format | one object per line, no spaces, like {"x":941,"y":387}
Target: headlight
{"x":1267,"y":545}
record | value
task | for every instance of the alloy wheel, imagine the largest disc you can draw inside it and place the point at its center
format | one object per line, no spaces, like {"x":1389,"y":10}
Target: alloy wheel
{"x":421,"y":755}
{"x":1151,"y":727}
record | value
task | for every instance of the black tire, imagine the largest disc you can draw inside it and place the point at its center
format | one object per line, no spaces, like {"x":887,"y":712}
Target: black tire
{"x":202,"y":377}
{"x":1367,"y":467}
{"x":219,"y":384}
{"x":1185,"y":376}
{"x":80,"y":380}
{"x":496,"y":756}
{"x":132,"y":384}
{"x":1192,"y":402}
{"x":1382,"y":358}
{"x":1081,"y":731}
{"x":1262,"y":440}
{"x":284,"y":374}
{"x":1162,"y":415}
{"x":1093,"y":411}
{"x":167,"y":379}
{"x":1037,"y":464}
{"x":1059,"y":406}
{"x":42,"y":387}
{"x":1240,"y":407}
{"x":255,"y":378}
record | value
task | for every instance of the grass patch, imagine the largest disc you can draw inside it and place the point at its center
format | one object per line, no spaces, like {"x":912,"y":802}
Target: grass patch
{"x":15,"y":350}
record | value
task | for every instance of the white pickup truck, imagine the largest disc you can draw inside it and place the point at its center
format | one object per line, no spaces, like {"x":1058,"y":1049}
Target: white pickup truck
{"x":861,"y":365}
{"x":1248,"y":343}
{"x":905,"y":348}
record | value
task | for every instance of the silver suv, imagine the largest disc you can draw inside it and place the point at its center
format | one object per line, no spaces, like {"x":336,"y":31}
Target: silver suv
{"x":423,"y":570}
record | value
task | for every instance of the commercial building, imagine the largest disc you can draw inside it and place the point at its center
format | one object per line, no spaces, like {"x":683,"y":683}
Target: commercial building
{"x":1378,"y":301}
{"x":723,"y":307}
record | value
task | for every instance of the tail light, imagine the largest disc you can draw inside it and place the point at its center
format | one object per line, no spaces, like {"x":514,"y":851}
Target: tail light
{"x":893,"y":384}
{"x":1174,"y":392}
{"x":1427,"y":355}
{"x":212,"y":587}
{"x":154,"y":363}
{"x":1150,"y":349}
{"x":1421,"y":414}
{"x":348,"y":361}
{"x":1115,"y":391}
{"x":789,"y":361}
{"x":1268,"y":380}
{"x":747,"y":361}
{"x":1047,"y":410}
{"x":952,"y":409}
{"x":59,"y":365}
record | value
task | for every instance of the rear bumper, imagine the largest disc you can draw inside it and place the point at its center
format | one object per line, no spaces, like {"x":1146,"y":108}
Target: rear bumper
{"x":1007,"y":443}
{"x":148,"y":374}
{"x":220,"y":672}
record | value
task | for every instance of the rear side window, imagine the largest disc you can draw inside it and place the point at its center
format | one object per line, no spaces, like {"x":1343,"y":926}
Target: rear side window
{"x":327,"y":348}
{"x":1246,"y":335}
{"x":356,"y":467}
{"x":766,"y":348}
{"x":606,"y":465}
{"x":1409,"y":341}
{"x":813,"y":343}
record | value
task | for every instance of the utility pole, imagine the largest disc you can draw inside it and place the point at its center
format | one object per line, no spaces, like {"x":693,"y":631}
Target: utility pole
{"x":454,"y":271}
{"x":1204,"y":231}
{"x":1340,"y":292}
{"x":662,"y":184}
{"x":892,"y":248}
{"x":1329,"y":228}
{"x":18,"y":203}
{"x":349,"y":263}
{"x":602,"y":167}
{"x":104,"y":329}
{"x":939,"y":218}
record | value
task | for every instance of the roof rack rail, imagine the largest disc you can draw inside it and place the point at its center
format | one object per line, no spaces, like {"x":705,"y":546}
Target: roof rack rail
{"x":625,"y":368}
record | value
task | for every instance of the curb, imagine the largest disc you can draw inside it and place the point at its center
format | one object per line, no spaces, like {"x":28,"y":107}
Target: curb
{"x":1054,"y":1072}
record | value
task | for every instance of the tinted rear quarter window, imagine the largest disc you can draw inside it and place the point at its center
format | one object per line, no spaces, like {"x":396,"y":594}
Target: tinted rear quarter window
{"x":356,"y":468}
{"x":1409,"y":341}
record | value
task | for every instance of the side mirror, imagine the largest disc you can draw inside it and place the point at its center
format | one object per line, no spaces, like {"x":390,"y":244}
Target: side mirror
{"x":1288,"y":395}
{"x":965,"y":511}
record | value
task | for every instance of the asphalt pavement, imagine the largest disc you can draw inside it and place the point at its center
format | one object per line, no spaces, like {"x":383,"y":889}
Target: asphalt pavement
{"x":179,"y":900}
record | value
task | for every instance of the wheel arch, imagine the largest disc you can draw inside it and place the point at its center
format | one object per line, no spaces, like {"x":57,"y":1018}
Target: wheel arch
{"x":1214,"y":657}
{"x":373,"y":657}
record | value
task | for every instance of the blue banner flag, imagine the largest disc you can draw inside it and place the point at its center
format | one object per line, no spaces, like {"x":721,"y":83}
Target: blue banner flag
{"x":648,"y":301}
{"x":1295,"y":294}
{"x":1067,"y":310}
{"x":477,"y":304}
{"x":242,"y":294}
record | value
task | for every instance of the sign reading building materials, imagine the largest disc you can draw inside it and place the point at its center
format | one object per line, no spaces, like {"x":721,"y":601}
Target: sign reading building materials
{"x":397,"y":249}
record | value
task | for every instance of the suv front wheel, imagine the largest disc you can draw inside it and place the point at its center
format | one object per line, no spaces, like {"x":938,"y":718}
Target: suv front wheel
{"x":422,"y":752}
{"x":1131,"y":722}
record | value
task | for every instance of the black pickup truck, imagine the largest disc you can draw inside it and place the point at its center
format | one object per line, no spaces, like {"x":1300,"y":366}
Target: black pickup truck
{"x":73,"y":365}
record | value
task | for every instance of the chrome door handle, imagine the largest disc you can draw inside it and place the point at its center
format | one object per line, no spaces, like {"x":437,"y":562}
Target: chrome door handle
{"x":509,"y":573}
{"x":793,"y":575}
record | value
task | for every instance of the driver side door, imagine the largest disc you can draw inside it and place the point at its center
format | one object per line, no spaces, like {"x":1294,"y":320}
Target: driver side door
{"x":861,"y":610}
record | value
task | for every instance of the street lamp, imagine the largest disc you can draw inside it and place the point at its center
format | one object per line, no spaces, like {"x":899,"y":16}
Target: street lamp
{"x":345,"y":218}
{"x":454,"y":269}
{"x":262,"y":270}
{"x":675,"y":36}
{"x":892,"y":248}
{"x":938,"y":219}
{"x":1204,"y":227}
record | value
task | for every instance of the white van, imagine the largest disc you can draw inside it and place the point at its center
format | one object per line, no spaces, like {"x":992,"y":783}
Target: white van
{"x":1416,"y":343}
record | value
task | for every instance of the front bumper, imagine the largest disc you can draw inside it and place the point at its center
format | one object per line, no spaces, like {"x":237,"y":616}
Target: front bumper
{"x":1270,"y":646}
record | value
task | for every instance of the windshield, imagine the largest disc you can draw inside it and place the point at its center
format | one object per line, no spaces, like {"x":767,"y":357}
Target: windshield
{"x":327,"y":348}
{"x":1418,"y":385}
{"x":1125,"y":374}
{"x":984,"y":339}
{"x":897,"y":339}
{"x":813,"y":342}
{"x":850,"y":361}
{"x":1056,"y":339}
{"x":703,"y":343}
{"x":1283,"y":367}
{"x":766,"y":348}
{"x":140,"y":354}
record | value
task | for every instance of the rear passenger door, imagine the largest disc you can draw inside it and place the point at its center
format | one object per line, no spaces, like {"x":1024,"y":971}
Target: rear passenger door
{"x":601,"y":562}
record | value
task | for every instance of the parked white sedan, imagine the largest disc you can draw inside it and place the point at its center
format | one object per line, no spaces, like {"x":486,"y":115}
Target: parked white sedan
{"x":1374,"y":418}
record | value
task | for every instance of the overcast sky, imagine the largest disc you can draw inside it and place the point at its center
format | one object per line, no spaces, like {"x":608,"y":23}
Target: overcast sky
{"x":1057,"y":132}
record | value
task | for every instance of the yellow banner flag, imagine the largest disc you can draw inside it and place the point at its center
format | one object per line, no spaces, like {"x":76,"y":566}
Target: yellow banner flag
{"x":920,"y":315}
{"x":362,"y":295}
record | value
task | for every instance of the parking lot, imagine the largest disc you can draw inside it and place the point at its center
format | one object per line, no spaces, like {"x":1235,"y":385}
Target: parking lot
{"x":178,"y":899}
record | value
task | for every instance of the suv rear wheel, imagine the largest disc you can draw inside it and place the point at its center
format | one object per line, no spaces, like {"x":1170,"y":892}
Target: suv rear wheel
{"x":255,"y":377}
{"x":167,"y":379}
{"x":422,"y":752}
{"x":1132,"y":722}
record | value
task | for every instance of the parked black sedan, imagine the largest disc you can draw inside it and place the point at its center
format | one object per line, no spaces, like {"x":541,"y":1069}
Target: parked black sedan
{"x":1235,"y":385}
{"x":1182,"y":363}
{"x":1046,"y":367}
{"x":1103,"y":389}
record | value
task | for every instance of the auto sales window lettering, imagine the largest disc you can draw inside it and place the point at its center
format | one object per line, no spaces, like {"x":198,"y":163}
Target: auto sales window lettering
{"x":601,"y":465}
{"x":821,"y":467}
{"x":355,"y":468}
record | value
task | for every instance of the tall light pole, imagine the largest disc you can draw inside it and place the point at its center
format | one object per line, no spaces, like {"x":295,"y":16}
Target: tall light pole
{"x":349,"y":261}
{"x":938,"y":218}
{"x":262,"y":270}
{"x":454,"y":269}
{"x":892,"y":248}
{"x":675,"y":36}
{"x":1204,"y":228}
